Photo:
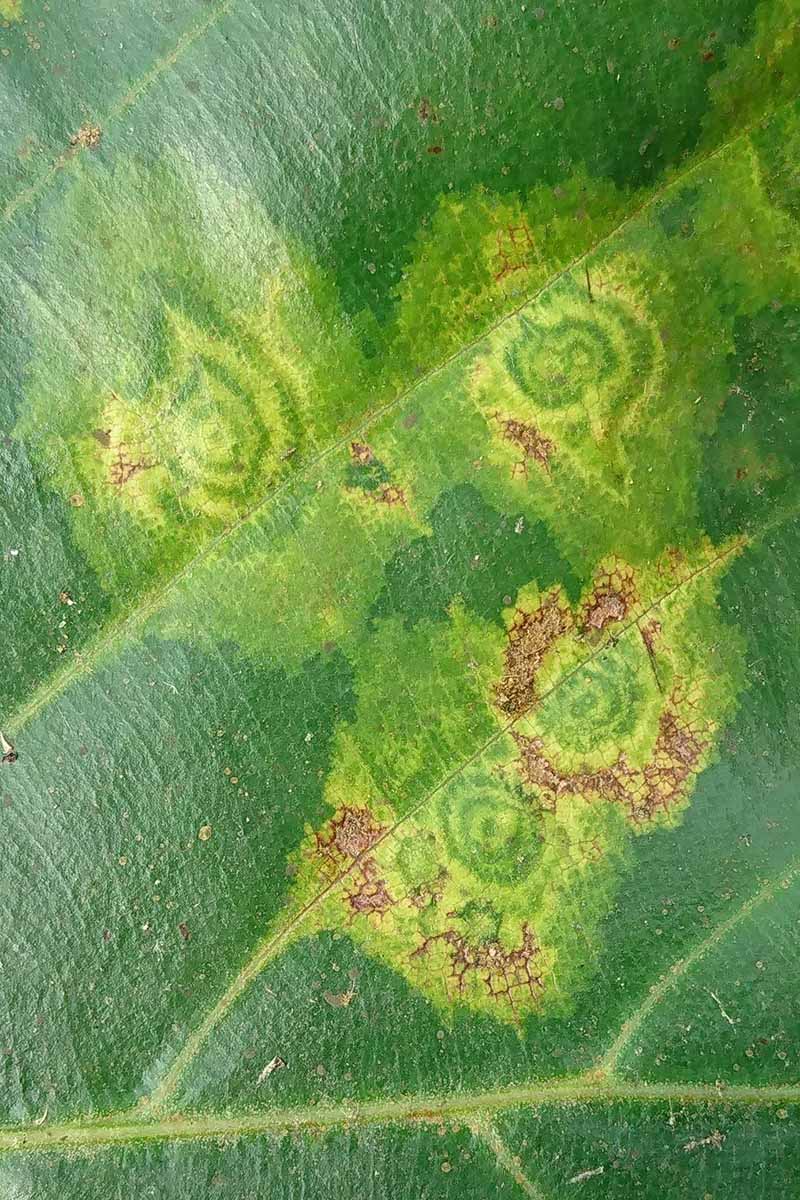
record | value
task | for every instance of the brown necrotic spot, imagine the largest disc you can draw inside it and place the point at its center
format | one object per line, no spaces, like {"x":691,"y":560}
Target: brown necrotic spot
{"x":681,"y":742}
{"x":426,"y":112}
{"x":529,"y":638}
{"x":389,"y":494}
{"x":373,"y":896}
{"x":612,"y":598}
{"x":650,"y":633}
{"x":369,"y":893}
{"x":345,"y":838}
{"x":429,"y":893}
{"x":88,"y":137}
{"x":534,"y":445}
{"x":361,"y":453}
{"x":504,"y":973}
{"x":515,"y":248}
{"x":123,"y":468}
{"x":355,"y":831}
{"x":661,"y":784}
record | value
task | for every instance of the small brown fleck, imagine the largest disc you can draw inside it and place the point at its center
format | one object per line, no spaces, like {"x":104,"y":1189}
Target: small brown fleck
{"x":184,"y":931}
{"x":87,"y":138}
{"x":426,"y":112}
{"x":340,"y":999}
{"x":435,"y":149}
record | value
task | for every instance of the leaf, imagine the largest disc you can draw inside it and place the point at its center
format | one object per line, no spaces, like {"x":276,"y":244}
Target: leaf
{"x":400,"y":541}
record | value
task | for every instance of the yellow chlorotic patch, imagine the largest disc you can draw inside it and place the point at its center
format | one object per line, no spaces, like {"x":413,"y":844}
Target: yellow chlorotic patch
{"x":574,"y":377}
{"x":213,"y":429}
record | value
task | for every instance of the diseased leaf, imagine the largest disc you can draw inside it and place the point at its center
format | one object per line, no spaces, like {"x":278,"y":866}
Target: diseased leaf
{"x":399,"y":580}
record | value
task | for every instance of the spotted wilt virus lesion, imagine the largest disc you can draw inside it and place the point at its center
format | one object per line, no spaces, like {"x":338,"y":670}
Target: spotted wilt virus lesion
{"x":343,"y":847}
{"x":216,"y":423}
{"x":485,"y":895}
{"x":608,"y":705}
{"x":507,"y":975}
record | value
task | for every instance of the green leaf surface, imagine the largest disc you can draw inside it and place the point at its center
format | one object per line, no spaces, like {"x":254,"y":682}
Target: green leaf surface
{"x":400,"y":543}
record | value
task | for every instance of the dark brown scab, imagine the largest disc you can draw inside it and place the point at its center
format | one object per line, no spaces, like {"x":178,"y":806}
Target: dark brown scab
{"x":612,"y":599}
{"x":503,"y":972}
{"x":534,"y":445}
{"x":529,"y":639}
{"x":658,"y":786}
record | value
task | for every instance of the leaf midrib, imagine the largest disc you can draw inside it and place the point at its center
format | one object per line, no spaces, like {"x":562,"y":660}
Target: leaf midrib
{"x":418,"y":1108}
{"x":117,"y":630}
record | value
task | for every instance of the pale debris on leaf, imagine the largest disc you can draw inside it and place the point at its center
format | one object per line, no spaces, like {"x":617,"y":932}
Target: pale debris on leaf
{"x":274,"y":1064}
{"x":584,"y":1175}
